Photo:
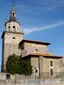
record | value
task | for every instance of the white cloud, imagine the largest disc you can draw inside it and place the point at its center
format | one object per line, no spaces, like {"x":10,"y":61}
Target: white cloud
{"x":35,"y":29}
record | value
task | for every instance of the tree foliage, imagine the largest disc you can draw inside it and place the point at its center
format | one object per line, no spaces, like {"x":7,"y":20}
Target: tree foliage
{"x":12,"y":64}
{"x":26,"y":67}
{"x":16,"y":65}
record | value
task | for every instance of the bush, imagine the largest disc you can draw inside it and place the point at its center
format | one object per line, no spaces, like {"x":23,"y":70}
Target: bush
{"x":15,"y":65}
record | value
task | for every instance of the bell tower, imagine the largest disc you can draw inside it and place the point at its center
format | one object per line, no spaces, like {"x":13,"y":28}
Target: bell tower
{"x":11,"y":38}
{"x":12,"y":24}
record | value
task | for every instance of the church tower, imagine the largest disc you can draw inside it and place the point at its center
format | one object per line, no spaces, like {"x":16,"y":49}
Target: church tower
{"x":11,"y":38}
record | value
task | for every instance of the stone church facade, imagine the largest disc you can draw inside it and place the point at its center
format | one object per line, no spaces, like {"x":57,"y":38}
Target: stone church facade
{"x":13,"y":41}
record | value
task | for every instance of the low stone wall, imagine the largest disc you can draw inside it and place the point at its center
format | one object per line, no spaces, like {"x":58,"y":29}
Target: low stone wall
{"x":31,"y":82}
{"x":26,"y":83}
{"x":27,"y":80}
{"x":3,"y":76}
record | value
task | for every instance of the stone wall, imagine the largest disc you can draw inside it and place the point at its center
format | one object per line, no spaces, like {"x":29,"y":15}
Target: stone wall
{"x":26,"y":80}
{"x":35,"y":66}
{"x":32,"y":48}
{"x":9,"y":27}
{"x":56,"y":64}
{"x":10,"y":45}
{"x":43,"y":67}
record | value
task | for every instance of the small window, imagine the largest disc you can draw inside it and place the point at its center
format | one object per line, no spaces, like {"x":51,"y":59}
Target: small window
{"x":51,"y":63}
{"x":13,"y":26}
{"x":7,"y":76}
{"x":8,"y":26}
{"x":36,"y":71}
{"x":51,"y":71}
{"x":36,"y":49}
{"x":13,"y":14}
{"x":13,"y":37}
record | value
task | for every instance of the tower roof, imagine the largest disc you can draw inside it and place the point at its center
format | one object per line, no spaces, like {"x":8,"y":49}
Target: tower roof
{"x":12,"y":20}
{"x":12,"y":15}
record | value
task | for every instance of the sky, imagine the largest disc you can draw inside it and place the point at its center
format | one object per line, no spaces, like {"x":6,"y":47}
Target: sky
{"x":41,"y":20}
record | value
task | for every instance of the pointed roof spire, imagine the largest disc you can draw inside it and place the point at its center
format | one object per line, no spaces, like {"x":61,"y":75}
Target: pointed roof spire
{"x":13,"y":5}
{"x":13,"y":15}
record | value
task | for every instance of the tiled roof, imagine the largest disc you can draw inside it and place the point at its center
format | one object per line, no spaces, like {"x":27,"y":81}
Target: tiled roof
{"x":47,"y":55}
{"x":42,"y":54}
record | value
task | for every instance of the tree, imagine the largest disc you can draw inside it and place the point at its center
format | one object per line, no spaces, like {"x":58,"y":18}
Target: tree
{"x":12,"y":64}
{"x":26,"y":67}
{"x":16,"y":65}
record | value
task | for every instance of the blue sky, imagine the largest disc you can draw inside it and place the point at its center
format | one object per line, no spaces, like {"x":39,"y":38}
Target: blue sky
{"x":41,"y":20}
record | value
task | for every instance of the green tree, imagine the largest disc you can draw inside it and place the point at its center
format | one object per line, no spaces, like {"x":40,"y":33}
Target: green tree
{"x":13,"y":64}
{"x":16,"y":65}
{"x":26,"y":67}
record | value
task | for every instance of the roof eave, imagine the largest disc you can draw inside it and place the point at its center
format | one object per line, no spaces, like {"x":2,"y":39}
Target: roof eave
{"x":38,"y":42}
{"x":30,"y":55}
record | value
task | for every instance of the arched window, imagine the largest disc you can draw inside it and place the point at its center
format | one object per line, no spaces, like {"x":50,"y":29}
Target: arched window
{"x":14,"y":28}
{"x":13,"y":14}
{"x":9,"y":28}
{"x":51,"y":63}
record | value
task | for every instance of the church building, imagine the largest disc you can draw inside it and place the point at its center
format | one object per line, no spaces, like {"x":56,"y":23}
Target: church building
{"x":42,"y":61}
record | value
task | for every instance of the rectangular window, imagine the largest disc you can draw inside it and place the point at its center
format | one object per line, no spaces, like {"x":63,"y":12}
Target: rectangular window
{"x":51,"y":63}
{"x":7,"y":76}
{"x":51,"y":71}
